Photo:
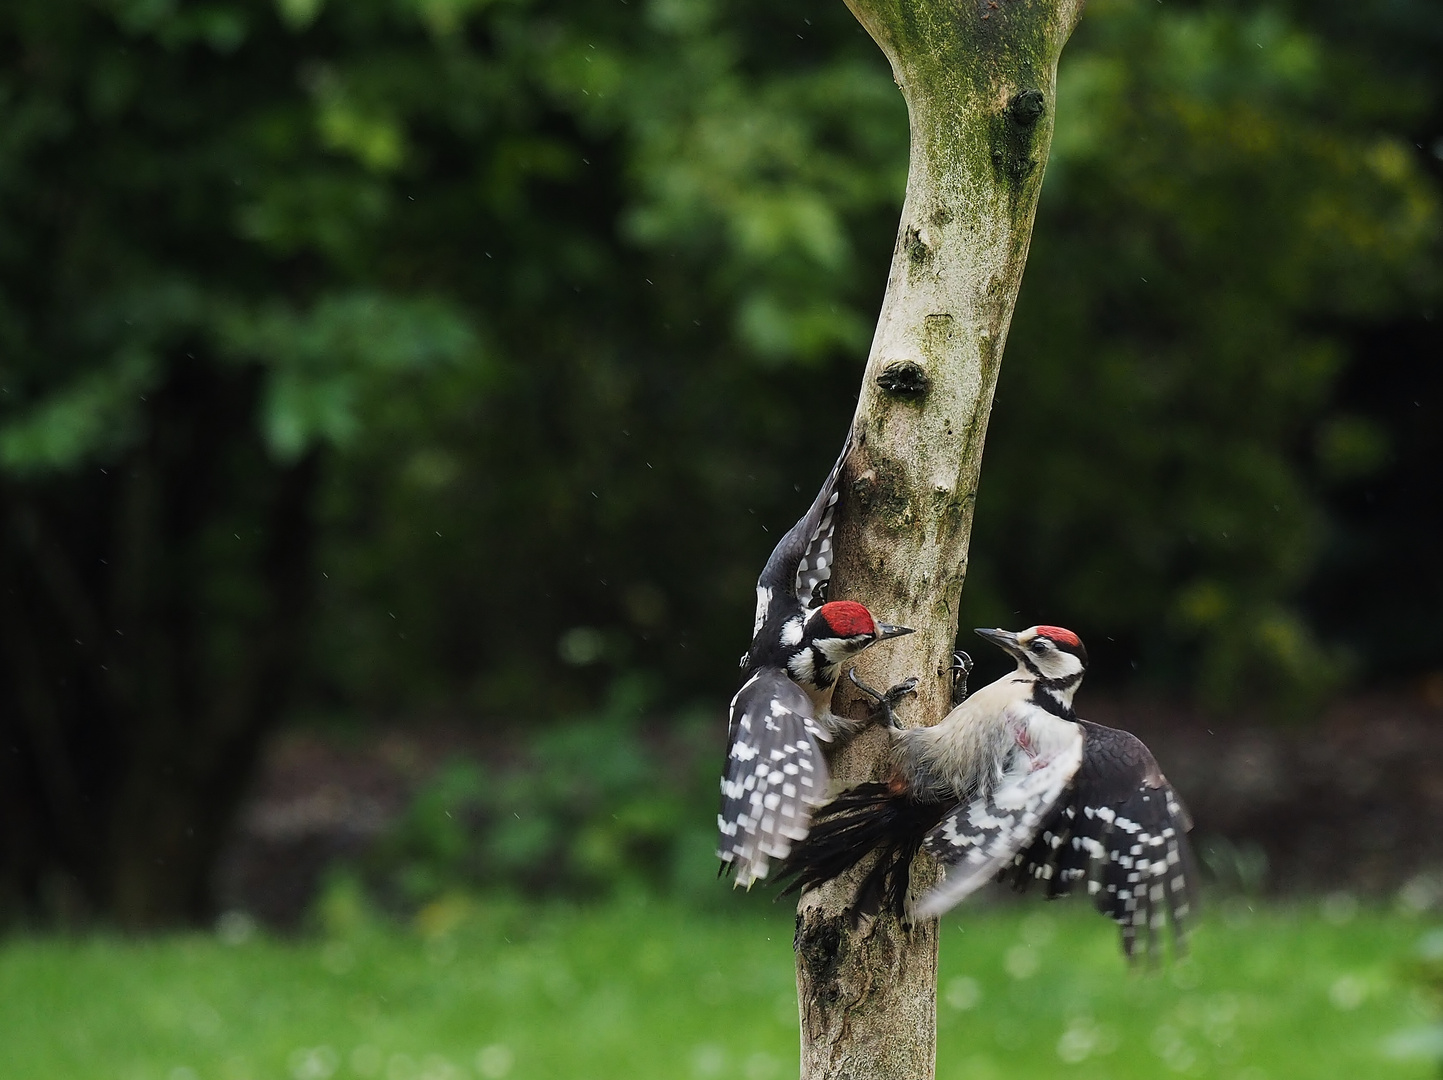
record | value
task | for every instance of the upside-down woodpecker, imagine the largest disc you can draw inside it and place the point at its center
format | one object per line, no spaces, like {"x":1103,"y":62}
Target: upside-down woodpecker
{"x":774,"y":773}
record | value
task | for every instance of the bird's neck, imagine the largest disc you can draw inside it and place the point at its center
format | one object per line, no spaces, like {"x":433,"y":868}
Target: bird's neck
{"x":812,"y":669}
{"x":1053,"y":695}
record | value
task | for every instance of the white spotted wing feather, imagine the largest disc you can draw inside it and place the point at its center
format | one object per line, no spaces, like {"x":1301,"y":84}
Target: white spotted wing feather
{"x":1122,"y":831}
{"x":774,"y":774}
{"x":815,"y":568}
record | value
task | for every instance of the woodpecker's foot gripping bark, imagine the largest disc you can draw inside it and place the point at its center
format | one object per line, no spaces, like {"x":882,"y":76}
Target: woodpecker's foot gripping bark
{"x":961,"y":668}
{"x":890,"y":700}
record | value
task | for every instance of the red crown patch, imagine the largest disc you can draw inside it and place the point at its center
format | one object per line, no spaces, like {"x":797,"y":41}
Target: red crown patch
{"x":847,"y":618}
{"x":1061,"y":635}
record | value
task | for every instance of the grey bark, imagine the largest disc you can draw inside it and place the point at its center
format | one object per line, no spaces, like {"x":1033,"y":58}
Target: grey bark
{"x":979,"y":78}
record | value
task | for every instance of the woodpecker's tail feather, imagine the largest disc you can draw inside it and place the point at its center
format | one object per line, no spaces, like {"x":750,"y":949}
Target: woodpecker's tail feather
{"x":868,"y":818}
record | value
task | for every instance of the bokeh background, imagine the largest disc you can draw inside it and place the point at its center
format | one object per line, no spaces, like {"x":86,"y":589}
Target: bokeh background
{"x":399,"y":397}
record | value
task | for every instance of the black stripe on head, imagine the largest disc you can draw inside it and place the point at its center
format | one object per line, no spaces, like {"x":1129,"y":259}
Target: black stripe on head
{"x":825,"y":672}
{"x":1060,"y":683}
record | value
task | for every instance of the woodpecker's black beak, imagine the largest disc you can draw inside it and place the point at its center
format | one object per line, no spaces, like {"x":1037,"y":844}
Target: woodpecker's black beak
{"x":884,"y":631}
{"x":1005,"y":640}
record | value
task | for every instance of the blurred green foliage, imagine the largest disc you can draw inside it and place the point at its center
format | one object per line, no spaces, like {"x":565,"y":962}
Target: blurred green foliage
{"x":395,"y":355}
{"x":579,"y":291}
{"x":1214,"y":217}
{"x":484,"y":989}
{"x":1423,"y":1042}
{"x":594,"y":806}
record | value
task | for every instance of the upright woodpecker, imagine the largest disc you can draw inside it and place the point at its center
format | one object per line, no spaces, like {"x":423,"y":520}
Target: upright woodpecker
{"x":774,"y":772}
{"x":1013,"y":785}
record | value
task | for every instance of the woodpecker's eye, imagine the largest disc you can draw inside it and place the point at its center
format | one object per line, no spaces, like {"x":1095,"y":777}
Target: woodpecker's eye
{"x":1039,"y":645}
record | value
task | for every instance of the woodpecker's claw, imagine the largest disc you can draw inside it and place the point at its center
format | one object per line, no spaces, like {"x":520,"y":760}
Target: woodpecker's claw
{"x":961,"y":668}
{"x":888,"y":701}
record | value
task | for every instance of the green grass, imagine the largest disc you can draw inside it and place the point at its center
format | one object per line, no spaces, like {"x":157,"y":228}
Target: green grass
{"x":492,"y":989}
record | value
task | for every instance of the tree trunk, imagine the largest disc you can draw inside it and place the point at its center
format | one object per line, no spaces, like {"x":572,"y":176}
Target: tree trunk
{"x":979,"y":79}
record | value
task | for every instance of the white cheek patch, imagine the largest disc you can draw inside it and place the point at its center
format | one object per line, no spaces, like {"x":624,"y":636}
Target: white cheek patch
{"x":1059,"y":665}
{"x":802,"y":668}
{"x":836,"y":649}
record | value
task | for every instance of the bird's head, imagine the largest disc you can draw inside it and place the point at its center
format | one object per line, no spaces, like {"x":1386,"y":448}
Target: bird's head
{"x":1054,"y":657}
{"x":848,"y":626}
{"x":829,"y":635}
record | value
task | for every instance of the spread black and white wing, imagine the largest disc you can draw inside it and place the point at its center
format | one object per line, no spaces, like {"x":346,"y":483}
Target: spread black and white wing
{"x":1123,"y":831}
{"x":774,"y":774}
{"x":979,"y":838}
{"x":801,"y":564}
